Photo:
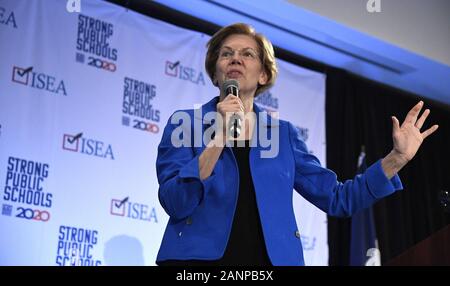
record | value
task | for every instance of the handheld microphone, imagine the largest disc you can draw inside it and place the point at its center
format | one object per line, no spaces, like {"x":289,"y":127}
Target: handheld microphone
{"x":231,"y":86}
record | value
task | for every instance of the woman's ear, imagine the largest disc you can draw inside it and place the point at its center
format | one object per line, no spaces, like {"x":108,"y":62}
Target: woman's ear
{"x":263,"y":78}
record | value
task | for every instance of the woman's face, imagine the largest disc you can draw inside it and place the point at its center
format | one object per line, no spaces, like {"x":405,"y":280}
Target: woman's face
{"x":239,"y":59}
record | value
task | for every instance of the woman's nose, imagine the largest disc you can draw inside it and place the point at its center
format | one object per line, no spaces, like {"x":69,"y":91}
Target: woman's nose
{"x":236,"y":59}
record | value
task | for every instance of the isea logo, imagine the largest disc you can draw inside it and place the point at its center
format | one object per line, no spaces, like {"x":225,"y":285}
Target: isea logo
{"x":133,"y":210}
{"x":177,"y":70}
{"x":88,"y":146}
{"x":39,"y":80}
{"x":8,"y":18}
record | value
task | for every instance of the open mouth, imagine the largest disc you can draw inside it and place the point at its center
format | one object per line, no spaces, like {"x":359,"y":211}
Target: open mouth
{"x":234,"y":74}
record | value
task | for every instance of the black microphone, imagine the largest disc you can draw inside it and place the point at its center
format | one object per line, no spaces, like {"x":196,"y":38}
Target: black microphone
{"x":231,"y":86}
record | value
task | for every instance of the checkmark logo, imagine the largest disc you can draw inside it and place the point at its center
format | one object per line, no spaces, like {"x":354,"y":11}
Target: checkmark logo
{"x":70,"y":142}
{"x":20,"y":75}
{"x":171,"y":68}
{"x":23,"y":72}
{"x":75,"y":138}
{"x":121,"y":202}
{"x":118,"y":206}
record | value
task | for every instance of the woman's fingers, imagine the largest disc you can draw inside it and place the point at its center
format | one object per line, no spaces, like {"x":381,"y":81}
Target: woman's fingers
{"x":395,"y":124}
{"x":430,"y":131}
{"x":230,"y":107}
{"x":422,"y":119}
{"x":235,"y":103}
{"x":411,"y":117}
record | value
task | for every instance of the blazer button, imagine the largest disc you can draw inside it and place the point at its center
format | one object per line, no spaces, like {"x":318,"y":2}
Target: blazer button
{"x":180,"y":233}
{"x":297,"y":234}
{"x":189,"y":221}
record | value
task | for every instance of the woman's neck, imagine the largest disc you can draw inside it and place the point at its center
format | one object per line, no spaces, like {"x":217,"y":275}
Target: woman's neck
{"x":248,"y":102}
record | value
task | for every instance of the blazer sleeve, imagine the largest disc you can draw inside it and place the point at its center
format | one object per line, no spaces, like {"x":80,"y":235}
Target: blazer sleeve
{"x":320,"y":185}
{"x":180,"y":188}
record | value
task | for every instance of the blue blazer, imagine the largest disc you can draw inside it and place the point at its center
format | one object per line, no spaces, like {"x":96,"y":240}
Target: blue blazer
{"x":201,"y":212}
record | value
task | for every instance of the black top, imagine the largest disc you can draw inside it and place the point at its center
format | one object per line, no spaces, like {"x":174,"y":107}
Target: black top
{"x":246,"y":244}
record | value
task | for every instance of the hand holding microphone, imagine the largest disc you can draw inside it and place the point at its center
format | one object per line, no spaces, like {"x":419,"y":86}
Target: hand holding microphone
{"x":231,"y":104}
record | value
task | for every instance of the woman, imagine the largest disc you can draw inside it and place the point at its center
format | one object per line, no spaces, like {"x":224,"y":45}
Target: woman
{"x":233,"y":206}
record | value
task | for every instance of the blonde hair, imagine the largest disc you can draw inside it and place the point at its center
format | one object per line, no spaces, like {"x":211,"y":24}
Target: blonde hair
{"x":266,"y":53}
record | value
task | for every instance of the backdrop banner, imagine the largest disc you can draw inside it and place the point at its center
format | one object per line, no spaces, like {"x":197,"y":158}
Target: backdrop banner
{"x":84,"y":98}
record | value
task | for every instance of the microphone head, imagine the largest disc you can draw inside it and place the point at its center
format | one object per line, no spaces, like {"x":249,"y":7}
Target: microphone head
{"x":230,"y":86}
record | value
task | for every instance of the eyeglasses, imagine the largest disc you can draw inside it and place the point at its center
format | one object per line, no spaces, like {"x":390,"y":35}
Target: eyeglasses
{"x":246,"y":53}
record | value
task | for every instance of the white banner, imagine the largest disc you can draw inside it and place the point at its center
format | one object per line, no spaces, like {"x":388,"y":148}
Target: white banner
{"x":84,"y":97}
